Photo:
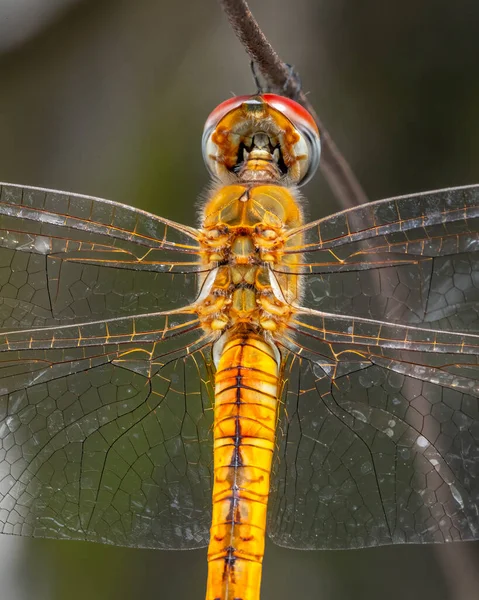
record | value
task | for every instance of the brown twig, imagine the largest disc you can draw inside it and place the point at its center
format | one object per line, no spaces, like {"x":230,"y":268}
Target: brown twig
{"x":334,"y":166}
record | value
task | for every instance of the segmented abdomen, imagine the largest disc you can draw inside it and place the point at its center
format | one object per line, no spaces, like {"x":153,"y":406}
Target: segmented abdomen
{"x":246,"y":391}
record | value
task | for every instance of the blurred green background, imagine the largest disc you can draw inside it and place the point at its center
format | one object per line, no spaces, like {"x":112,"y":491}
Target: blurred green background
{"x":108,"y":97}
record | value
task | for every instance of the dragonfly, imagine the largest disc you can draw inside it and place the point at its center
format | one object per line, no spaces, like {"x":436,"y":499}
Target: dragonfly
{"x":172,"y":387}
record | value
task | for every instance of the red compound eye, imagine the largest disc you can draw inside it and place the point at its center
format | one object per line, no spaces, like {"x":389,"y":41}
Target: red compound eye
{"x":223,"y":109}
{"x":296,"y":113}
{"x":248,"y":110}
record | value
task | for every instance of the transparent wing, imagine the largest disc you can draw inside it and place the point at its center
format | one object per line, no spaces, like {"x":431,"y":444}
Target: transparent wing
{"x":386,"y":452}
{"x":412,"y":259}
{"x":379,"y":439}
{"x":68,"y":258}
{"x":104,"y":400}
{"x":105,"y":432}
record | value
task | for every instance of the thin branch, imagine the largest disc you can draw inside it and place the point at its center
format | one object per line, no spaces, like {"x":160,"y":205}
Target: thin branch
{"x":334,"y":166}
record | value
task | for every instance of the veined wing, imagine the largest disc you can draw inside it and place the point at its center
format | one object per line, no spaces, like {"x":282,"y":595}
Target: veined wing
{"x":379,"y":442}
{"x":68,"y":258}
{"x":104,"y":399}
{"x":105,"y":432}
{"x":412,"y":259}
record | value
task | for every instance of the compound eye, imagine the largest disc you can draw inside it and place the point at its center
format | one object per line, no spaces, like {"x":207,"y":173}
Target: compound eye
{"x":291,"y":109}
{"x":305,"y":124}
{"x":223,"y":109}
{"x":208,"y":147}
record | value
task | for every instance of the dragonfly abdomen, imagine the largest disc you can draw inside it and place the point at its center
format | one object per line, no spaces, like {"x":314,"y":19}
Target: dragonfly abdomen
{"x":246,"y":391}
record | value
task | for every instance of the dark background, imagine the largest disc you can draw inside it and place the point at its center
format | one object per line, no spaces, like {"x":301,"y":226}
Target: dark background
{"x":109,"y":97}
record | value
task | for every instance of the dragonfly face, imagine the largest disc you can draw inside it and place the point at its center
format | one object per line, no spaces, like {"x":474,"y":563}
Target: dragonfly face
{"x":340,"y":356}
{"x":274,"y":128}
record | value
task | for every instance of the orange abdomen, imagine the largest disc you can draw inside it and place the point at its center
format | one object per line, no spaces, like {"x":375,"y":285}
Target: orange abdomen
{"x":246,"y":391}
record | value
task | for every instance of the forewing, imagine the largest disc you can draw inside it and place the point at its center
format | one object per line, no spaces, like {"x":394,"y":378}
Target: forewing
{"x":412,"y":259}
{"x":68,"y":258}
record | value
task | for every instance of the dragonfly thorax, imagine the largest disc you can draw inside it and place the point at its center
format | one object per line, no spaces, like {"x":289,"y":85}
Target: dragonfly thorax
{"x":245,"y":235}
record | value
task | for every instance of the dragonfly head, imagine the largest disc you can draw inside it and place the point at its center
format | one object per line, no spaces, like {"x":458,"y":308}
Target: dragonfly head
{"x":261,"y":138}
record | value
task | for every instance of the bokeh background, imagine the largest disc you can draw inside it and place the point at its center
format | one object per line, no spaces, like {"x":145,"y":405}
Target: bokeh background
{"x":108,"y":97}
